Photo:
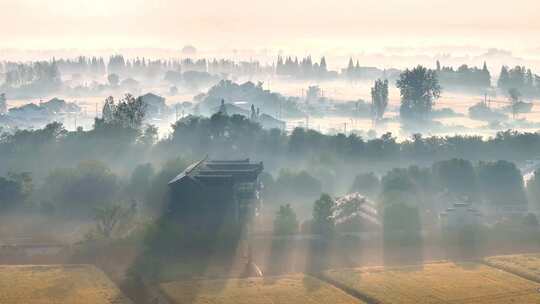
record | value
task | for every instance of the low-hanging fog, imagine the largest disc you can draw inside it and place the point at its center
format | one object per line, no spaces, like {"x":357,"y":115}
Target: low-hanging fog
{"x":176,"y":142}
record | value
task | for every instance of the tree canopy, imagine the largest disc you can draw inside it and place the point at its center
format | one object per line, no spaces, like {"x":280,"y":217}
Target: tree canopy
{"x":323,"y":222}
{"x":379,"y":99}
{"x":419,"y":88}
{"x":285,"y":222}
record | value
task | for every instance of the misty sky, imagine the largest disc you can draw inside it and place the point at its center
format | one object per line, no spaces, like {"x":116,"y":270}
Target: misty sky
{"x":279,"y":24}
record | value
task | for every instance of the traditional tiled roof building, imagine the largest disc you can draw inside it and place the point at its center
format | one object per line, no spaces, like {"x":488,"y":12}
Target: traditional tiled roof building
{"x":213,"y":194}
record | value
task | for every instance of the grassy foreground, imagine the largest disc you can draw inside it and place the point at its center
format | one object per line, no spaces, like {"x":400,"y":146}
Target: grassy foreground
{"x":289,"y":289}
{"x":438,"y":283}
{"x":57,"y":284}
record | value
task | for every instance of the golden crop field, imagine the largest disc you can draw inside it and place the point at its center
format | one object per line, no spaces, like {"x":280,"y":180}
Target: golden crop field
{"x":438,"y":283}
{"x":57,"y":284}
{"x":290,"y":289}
{"x":527,"y":265}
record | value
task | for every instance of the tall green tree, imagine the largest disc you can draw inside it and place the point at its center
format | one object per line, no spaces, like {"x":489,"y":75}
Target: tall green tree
{"x":486,"y":75}
{"x":350,"y":68}
{"x":504,"y":77}
{"x":501,"y":183}
{"x":379,"y":99}
{"x":419,"y":88}
{"x":285,"y":222}
{"x":514,"y":95}
{"x":367,"y":184}
{"x":323,"y":222}
{"x":323,"y":67}
{"x":457,"y":177}
{"x":130,"y":112}
{"x":81,"y":189}
{"x":15,"y":189}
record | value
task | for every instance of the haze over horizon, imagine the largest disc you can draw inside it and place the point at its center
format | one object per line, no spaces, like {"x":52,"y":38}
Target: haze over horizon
{"x":362,"y":28}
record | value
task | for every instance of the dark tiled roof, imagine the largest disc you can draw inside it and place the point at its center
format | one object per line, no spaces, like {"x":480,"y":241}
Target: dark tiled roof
{"x":205,"y":170}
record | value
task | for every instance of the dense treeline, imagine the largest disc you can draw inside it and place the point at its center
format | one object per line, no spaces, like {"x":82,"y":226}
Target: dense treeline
{"x":19,"y":72}
{"x":57,"y":156}
{"x":432,"y":189}
{"x":237,"y":136}
{"x":82,"y":65}
{"x":464,"y":77}
{"x":519,"y":78}
{"x":140,"y":66}
{"x":40,"y":77}
{"x":303,"y":69}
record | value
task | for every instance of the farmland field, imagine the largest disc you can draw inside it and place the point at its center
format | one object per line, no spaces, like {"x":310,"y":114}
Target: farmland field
{"x":527,"y":265}
{"x":438,"y":283}
{"x":81,"y":284}
{"x":284,"y":289}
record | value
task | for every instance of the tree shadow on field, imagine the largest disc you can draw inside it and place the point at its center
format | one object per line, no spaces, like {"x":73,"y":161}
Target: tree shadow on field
{"x":182,"y":246}
{"x":403,"y":242}
{"x":281,"y":257}
{"x":318,"y":254}
{"x":317,"y":259}
{"x":349,"y":251}
{"x":467,"y":243}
